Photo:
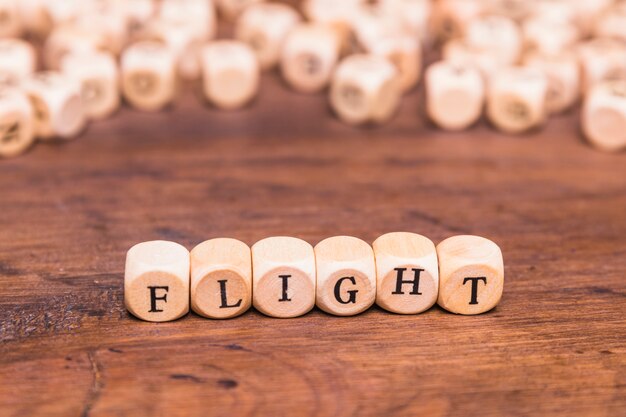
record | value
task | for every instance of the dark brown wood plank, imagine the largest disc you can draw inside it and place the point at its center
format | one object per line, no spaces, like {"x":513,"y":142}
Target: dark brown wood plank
{"x":556,"y":345}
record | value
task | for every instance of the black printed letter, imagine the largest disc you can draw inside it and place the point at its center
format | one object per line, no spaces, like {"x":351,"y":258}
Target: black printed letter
{"x":285,"y":279}
{"x":224,"y":298}
{"x":474,"y":299}
{"x":154,"y":298}
{"x":415,"y":281}
{"x":352,"y":297}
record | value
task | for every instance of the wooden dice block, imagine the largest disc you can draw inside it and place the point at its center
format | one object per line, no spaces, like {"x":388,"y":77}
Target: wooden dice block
{"x":549,"y":35}
{"x":346,"y":275}
{"x":612,"y":23}
{"x":17,"y":124}
{"x":496,"y":35}
{"x":365,"y":89}
{"x":413,"y":16}
{"x":563,"y":75}
{"x":35,"y":18}
{"x":156,"y":281}
{"x":231,"y":9}
{"x":603,"y":116}
{"x":148,"y":72}
{"x":57,"y":105}
{"x":230,"y":74}
{"x":471,"y":274}
{"x":405,"y":52}
{"x":516,"y":99}
{"x":97,"y":74}
{"x":309,"y":56}
{"x":17,"y":61}
{"x":455,"y":95}
{"x":264,"y":27}
{"x":451,"y":17}
{"x":197,"y":15}
{"x":338,"y":15}
{"x":70,"y":38}
{"x":221,"y":278}
{"x":459,"y":53}
{"x":283,"y":277}
{"x":601,"y":59}
{"x":10,"y":21}
{"x":407,"y":273}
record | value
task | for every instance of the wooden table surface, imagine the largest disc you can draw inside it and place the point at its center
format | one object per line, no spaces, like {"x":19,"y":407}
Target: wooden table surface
{"x":556,"y":345}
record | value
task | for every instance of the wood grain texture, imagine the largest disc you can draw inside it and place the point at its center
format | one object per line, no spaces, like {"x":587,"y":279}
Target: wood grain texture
{"x":555,"y":346}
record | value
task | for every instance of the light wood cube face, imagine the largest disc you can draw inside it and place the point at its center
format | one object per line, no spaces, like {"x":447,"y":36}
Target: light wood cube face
{"x":156,"y":281}
{"x":496,"y":35}
{"x":451,"y":17}
{"x":10,"y":22}
{"x":231,"y":9}
{"x":405,"y":52}
{"x":471,"y":274}
{"x":604,"y":115}
{"x":309,"y":56}
{"x":455,"y":95}
{"x":97,"y":74}
{"x":197,"y":15}
{"x":57,"y":105}
{"x":602,"y":59}
{"x":283,"y":277}
{"x":563,"y":77}
{"x":17,"y":61}
{"x":365,"y":89}
{"x":263,"y":27}
{"x":221,"y":278}
{"x":346,"y":275}
{"x":148,"y":71}
{"x":407,"y":272}
{"x":230,"y":74}
{"x":414,"y":15}
{"x":17,"y":132}
{"x":67,"y":38}
{"x":459,"y":53}
{"x":549,"y":35}
{"x":612,"y":23}
{"x":516,"y":99}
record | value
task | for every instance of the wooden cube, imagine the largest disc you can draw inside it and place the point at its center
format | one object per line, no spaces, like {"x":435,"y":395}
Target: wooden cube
{"x":338,"y":15}
{"x":461,"y":54}
{"x":455,"y":95}
{"x":230,"y":74}
{"x":197,"y":15}
{"x":471,"y":274}
{"x":34,"y":17}
{"x":407,"y":272}
{"x":57,"y":105}
{"x":309,"y":56}
{"x":612,"y":23}
{"x":516,"y":99}
{"x":414,"y":16}
{"x":405,"y":52}
{"x":17,"y":124}
{"x":231,"y":9}
{"x":221,"y":278}
{"x":601,"y":59}
{"x":264,"y":27}
{"x":148,"y":72}
{"x":451,"y":17}
{"x":10,"y":21}
{"x":17,"y":61}
{"x":346,"y":275}
{"x":67,"y":38}
{"x":283,"y":280}
{"x":156,"y":281}
{"x":97,"y":74}
{"x":563,"y":75}
{"x":603,"y":116}
{"x":497,"y":35}
{"x":550,"y":36}
{"x":365,"y":89}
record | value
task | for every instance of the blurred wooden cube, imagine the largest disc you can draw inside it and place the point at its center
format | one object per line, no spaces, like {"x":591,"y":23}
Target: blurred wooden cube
{"x":365,"y":89}
{"x":17,"y":124}
{"x":563,"y":76}
{"x":283,"y":277}
{"x":10,"y":19}
{"x":148,"y":74}
{"x":603,"y":116}
{"x":231,"y":9}
{"x":68,"y":38}
{"x":459,"y":53}
{"x":264,"y":27}
{"x":405,"y":52}
{"x":309,"y":56}
{"x":471,"y":274}
{"x":98,"y":76}
{"x":230,"y":74}
{"x":407,"y":272}
{"x":156,"y":281}
{"x":549,"y":36}
{"x":601,"y":59}
{"x":17,"y":61}
{"x":516,"y":99}
{"x":57,"y":105}
{"x":346,"y":275}
{"x":455,"y":95}
{"x":221,"y":278}
{"x":450,"y":17}
{"x":496,"y":35}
